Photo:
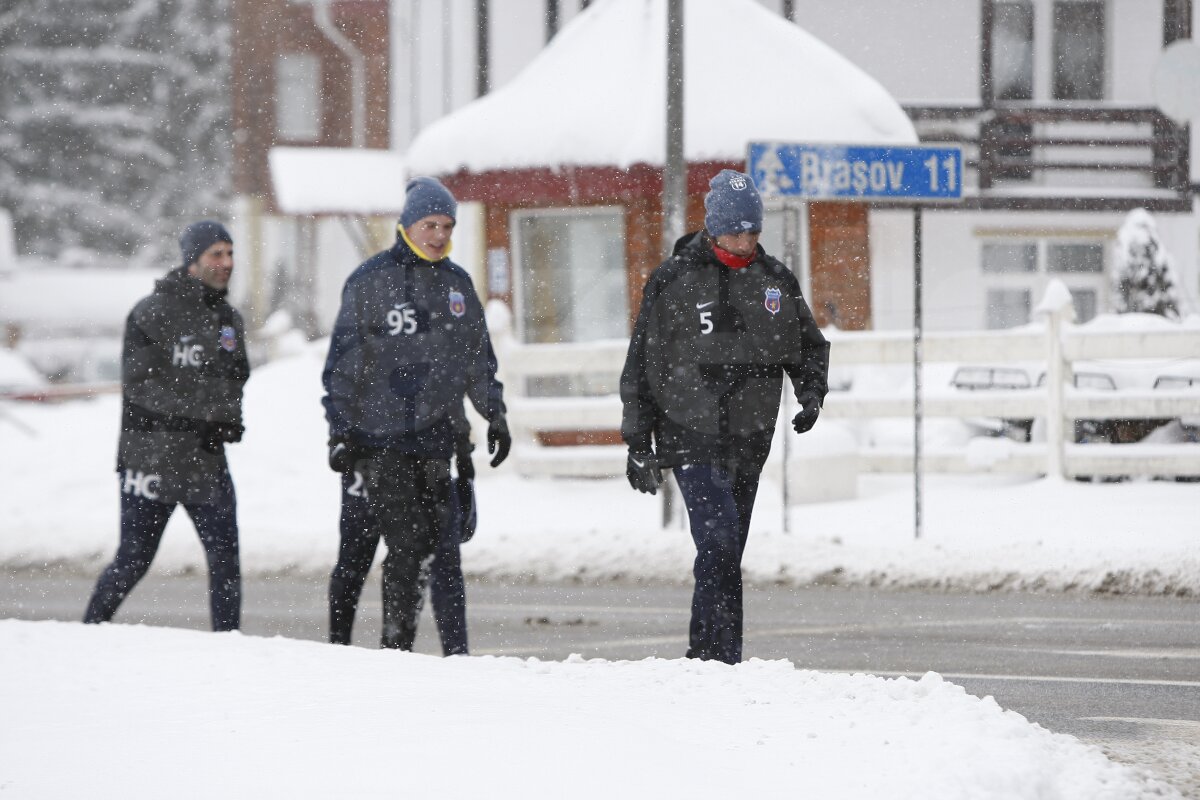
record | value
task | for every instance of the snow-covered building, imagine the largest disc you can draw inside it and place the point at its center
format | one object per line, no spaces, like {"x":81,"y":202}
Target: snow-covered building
{"x":567,"y":158}
{"x":1053,"y":101}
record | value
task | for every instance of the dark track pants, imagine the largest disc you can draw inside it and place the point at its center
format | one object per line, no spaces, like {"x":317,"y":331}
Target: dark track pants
{"x":143,"y":522}
{"x":719,"y":503}
{"x":404,"y":501}
{"x":447,"y":591}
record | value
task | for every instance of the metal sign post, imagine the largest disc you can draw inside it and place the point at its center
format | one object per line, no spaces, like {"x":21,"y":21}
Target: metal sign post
{"x":906,"y":176}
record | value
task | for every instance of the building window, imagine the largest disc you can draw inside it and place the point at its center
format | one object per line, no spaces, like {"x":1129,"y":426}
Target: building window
{"x":1078,"y":54}
{"x":298,"y":97}
{"x":1048,"y":51}
{"x":1012,"y":50}
{"x":571,"y":283}
{"x":1016,"y":272}
{"x":1008,"y":308}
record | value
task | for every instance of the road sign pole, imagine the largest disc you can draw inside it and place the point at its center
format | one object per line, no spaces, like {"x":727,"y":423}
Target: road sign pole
{"x":918,"y":411}
{"x":909,"y":175}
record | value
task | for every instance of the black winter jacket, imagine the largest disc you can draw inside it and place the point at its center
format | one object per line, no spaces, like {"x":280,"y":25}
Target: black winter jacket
{"x":183,"y":367}
{"x":409,"y":342}
{"x":707,"y":356}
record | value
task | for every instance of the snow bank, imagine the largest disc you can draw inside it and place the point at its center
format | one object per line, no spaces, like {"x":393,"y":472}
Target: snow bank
{"x":980,"y":533}
{"x":208,"y":715}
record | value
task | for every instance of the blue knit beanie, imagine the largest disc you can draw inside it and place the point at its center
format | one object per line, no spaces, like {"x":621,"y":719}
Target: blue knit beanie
{"x":425,"y":197}
{"x":198,"y":237}
{"x":732,"y":204}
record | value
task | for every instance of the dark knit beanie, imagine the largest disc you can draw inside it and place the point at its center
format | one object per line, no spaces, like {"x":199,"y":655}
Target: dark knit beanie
{"x":198,"y":237}
{"x":732,"y":204}
{"x":425,"y":197}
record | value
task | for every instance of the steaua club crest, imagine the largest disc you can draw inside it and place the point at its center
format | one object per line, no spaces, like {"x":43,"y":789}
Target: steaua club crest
{"x":228,"y":339}
{"x":458,"y":304}
{"x":772,"y":301}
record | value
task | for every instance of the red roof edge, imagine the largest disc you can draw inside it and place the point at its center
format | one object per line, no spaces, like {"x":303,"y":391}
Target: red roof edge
{"x":575,"y":185}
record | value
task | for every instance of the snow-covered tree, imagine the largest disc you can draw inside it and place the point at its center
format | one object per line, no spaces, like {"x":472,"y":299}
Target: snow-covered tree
{"x":114,"y":121}
{"x":1143,"y":273}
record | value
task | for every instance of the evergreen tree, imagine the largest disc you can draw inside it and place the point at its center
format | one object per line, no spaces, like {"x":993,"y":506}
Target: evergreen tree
{"x":114,"y":119}
{"x":1143,"y":272}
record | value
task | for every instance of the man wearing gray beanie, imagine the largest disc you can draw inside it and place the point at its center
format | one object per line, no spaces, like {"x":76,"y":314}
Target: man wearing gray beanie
{"x":410,"y":342}
{"x":720,"y":326}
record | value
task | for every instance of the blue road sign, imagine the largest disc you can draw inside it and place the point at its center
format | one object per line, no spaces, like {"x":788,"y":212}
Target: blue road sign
{"x":855,"y":172}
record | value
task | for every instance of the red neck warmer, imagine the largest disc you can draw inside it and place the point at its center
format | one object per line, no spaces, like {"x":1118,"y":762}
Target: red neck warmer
{"x":730,"y":260}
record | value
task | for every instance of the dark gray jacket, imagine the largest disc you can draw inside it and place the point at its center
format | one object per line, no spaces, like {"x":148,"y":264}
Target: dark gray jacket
{"x":183,"y":367}
{"x":708,"y":353}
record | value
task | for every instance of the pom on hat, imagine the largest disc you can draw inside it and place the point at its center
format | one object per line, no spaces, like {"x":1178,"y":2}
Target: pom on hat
{"x":198,"y":237}
{"x":425,"y":197}
{"x":732,"y":204}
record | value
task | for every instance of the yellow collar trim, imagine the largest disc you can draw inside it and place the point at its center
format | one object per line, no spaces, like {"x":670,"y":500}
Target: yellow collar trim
{"x":421,"y":253}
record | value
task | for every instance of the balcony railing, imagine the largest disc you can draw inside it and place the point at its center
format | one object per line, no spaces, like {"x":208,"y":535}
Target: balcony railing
{"x":1038,"y":157}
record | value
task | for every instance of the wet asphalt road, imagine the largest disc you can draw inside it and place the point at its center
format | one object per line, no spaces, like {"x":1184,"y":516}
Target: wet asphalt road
{"x":1120,"y":672}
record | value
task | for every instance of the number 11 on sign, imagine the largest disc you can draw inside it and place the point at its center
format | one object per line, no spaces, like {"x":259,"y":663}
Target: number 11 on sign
{"x":951,"y":173}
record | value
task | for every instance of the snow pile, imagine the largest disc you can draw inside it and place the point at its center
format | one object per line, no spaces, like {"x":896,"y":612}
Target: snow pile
{"x":980,"y":533}
{"x":301,"y":719}
{"x":16,"y":373}
{"x":597,"y":94}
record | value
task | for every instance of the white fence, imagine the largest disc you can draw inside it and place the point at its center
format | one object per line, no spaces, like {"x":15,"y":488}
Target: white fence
{"x":1057,"y":403}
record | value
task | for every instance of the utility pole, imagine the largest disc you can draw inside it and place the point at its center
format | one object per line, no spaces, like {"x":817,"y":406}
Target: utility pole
{"x":481,"y":48}
{"x":674,"y":197}
{"x":551,"y":19}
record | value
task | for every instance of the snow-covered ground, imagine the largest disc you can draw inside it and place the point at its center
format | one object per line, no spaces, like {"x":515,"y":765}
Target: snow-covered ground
{"x":137,"y":712}
{"x":59,"y":504}
{"x":131,"y":709}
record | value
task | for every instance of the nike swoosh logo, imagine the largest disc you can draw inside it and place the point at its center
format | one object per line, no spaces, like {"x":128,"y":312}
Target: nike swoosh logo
{"x":637,"y":463}
{"x":403,"y":305}
{"x":705,"y":305}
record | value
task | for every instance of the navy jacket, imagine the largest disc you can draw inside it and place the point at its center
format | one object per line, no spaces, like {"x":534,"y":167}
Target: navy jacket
{"x":708,"y":353}
{"x":409,"y":343}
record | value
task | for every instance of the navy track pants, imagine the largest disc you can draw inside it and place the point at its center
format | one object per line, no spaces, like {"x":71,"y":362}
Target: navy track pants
{"x":719,"y":503}
{"x":143,"y":522}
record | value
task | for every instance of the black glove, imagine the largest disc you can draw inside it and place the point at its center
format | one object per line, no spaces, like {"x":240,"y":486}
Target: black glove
{"x":462,"y":458}
{"x":342,"y":454}
{"x":216,"y":434}
{"x":499,"y":440}
{"x":810,"y":409}
{"x":643,"y":473}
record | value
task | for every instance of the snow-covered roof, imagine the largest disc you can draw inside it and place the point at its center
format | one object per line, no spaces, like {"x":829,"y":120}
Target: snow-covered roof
{"x":597,"y":94}
{"x":337,"y":180}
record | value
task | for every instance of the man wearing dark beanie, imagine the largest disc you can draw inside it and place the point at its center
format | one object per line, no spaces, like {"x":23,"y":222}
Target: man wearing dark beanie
{"x":182,"y":371}
{"x":410,"y":342}
{"x":721,"y":324}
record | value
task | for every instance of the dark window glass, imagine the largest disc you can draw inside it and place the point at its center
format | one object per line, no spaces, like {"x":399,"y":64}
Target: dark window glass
{"x":1012,"y":50}
{"x":1008,"y":308}
{"x":1078,"y":50}
{"x":1019,"y":257}
{"x":1087,"y":257}
{"x":1085,"y":304}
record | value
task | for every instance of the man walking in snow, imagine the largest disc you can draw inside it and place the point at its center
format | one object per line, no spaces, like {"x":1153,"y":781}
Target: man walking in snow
{"x":183,"y":367}
{"x":720,"y":324}
{"x":409,"y":343}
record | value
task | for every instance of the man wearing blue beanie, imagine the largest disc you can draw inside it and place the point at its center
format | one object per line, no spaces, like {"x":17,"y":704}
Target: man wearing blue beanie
{"x":721,"y":324}
{"x":183,"y":365}
{"x":409,"y":344}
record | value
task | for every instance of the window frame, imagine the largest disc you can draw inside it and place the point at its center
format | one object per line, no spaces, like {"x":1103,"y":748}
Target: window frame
{"x":1037,"y":280}
{"x":302,"y":60}
{"x":1043,"y":55}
